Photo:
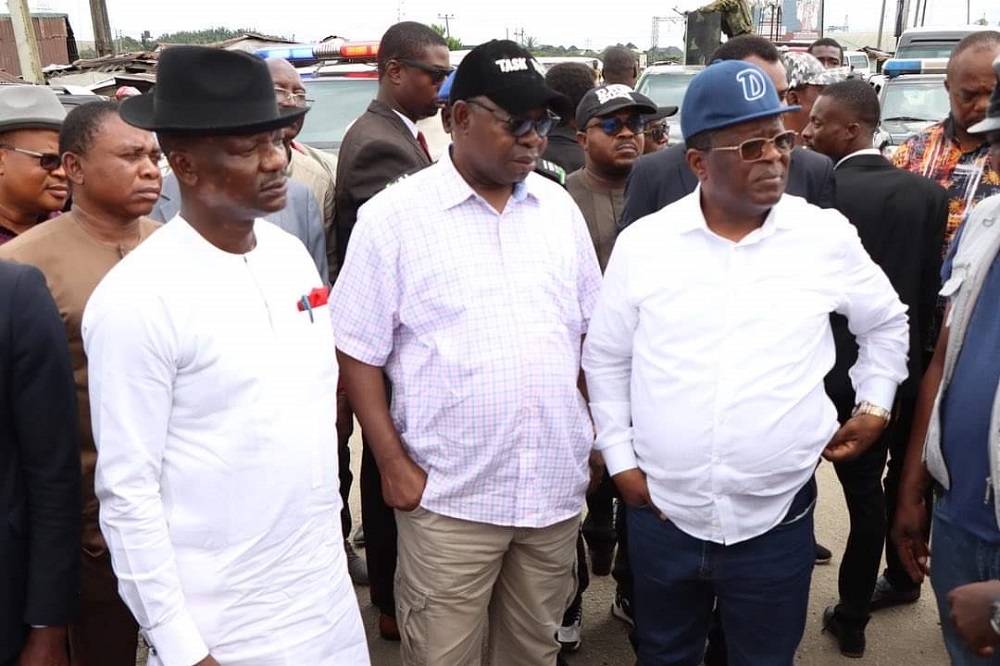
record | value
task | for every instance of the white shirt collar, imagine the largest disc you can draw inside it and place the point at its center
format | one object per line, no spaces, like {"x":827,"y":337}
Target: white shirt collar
{"x":412,"y":126}
{"x":863,"y":151}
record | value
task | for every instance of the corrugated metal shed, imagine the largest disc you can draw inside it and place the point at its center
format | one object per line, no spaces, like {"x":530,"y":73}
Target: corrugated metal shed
{"x":56,"y":44}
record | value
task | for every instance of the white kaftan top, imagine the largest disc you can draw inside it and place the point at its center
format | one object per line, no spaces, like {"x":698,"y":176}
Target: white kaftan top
{"x":214,"y":414}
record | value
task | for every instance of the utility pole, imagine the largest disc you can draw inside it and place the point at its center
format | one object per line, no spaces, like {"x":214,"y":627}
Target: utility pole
{"x":24,"y":36}
{"x":102,"y":28}
{"x":881,"y":24}
{"x":447,"y":25}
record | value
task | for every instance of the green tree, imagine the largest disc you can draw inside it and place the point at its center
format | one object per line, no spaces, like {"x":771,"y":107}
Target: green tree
{"x":982,"y":21}
{"x":454,"y":44}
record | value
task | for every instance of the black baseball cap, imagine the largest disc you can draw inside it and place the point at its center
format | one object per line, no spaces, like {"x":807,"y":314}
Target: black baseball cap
{"x":599,"y":102}
{"x":506,"y":73}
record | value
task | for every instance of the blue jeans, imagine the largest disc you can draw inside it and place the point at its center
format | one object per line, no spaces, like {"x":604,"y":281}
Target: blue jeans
{"x":761,"y":587}
{"x":959,"y":557}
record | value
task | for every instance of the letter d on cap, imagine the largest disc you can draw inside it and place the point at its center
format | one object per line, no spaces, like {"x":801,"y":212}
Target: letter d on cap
{"x":753,"y":84}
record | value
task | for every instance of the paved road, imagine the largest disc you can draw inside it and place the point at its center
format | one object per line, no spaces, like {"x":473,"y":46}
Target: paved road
{"x":908,"y":635}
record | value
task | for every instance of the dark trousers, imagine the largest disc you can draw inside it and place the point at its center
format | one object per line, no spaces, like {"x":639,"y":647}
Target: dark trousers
{"x":861,"y":481}
{"x":345,"y":428}
{"x":380,"y":534}
{"x":761,"y":587}
{"x":106,"y":633}
{"x":894,"y":570}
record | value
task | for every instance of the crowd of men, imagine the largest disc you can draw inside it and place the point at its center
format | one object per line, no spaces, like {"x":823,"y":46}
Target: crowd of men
{"x":561,"y":310}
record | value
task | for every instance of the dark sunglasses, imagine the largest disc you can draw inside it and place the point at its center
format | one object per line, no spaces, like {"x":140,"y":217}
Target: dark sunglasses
{"x":438,"y":74}
{"x":657,"y":132}
{"x":48,"y":161}
{"x":752,"y":150}
{"x":612,"y":126}
{"x":521,"y":126}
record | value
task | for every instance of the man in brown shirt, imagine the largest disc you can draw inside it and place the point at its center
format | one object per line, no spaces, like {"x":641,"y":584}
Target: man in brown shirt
{"x":610,"y":122}
{"x":116,"y":181}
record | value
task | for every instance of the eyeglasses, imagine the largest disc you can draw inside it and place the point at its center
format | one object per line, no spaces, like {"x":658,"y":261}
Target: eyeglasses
{"x":521,"y":126}
{"x":752,"y":150}
{"x":293,"y":98}
{"x":657,"y":132}
{"x":612,"y":126}
{"x":48,"y":161}
{"x":438,"y":74}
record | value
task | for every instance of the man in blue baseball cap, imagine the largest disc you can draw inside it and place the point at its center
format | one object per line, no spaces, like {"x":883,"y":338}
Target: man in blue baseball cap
{"x":705,"y":361}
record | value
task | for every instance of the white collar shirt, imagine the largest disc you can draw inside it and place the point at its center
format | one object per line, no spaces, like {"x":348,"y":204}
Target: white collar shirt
{"x":477,"y":318}
{"x":863,"y":151}
{"x":410,"y":125}
{"x":705,"y":358}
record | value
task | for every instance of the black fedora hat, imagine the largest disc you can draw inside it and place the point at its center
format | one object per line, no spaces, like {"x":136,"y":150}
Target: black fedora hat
{"x":204,"y":90}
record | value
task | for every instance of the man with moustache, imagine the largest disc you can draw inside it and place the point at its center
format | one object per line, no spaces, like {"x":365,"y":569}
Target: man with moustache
{"x":901,"y":218}
{"x":470,"y":284}
{"x":213,"y":394}
{"x":382,"y":145}
{"x":664,"y":177}
{"x":32,"y":180}
{"x":705,"y":362}
{"x":806,"y":80}
{"x":116,"y":180}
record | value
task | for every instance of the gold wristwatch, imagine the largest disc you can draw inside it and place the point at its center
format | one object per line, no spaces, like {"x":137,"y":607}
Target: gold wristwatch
{"x":865,"y":407}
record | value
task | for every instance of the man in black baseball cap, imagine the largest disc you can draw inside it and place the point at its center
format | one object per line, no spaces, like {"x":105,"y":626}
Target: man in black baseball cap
{"x":470,"y":284}
{"x":213,"y":390}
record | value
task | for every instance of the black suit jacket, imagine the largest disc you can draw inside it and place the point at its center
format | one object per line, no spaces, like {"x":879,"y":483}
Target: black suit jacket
{"x":901,"y":219}
{"x":376,"y":150}
{"x":663,"y":177}
{"x":39,"y":462}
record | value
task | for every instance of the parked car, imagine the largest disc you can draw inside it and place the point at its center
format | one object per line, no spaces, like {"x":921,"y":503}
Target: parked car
{"x":666,"y":85}
{"x":912,"y":98}
{"x":924,"y":42}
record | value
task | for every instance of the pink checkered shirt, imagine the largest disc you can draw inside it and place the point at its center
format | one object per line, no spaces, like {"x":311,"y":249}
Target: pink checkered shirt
{"x":477,"y":317}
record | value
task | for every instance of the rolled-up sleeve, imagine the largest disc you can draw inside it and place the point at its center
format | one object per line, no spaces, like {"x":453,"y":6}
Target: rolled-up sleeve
{"x":607,"y":364}
{"x":879,"y":322}
{"x":131,"y":347}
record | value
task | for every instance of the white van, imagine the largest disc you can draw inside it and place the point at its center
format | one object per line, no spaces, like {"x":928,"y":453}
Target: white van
{"x":859,"y":64}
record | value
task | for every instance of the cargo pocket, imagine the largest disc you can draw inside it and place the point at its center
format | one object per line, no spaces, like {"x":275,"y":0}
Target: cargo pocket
{"x":411,"y":616}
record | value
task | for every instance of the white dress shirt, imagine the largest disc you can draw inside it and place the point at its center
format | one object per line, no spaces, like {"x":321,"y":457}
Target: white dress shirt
{"x":856,"y":153}
{"x":705,"y":358}
{"x":477,"y":318}
{"x":214,"y":412}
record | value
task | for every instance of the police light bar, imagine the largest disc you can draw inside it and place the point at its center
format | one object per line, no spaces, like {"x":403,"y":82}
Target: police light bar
{"x":359,"y":49}
{"x":292,"y":53}
{"x":894,"y":67}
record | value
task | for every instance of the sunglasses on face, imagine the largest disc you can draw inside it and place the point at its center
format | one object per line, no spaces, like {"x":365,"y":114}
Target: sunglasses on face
{"x":520,"y":126}
{"x":657,"y":133}
{"x":438,"y":74}
{"x":752,"y":150}
{"x":48,"y":161}
{"x":612,"y":126}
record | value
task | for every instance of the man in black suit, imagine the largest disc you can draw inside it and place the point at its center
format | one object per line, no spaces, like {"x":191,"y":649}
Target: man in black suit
{"x":381,"y":146}
{"x":663,"y":177}
{"x":39,"y":475}
{"x":901,"y":219}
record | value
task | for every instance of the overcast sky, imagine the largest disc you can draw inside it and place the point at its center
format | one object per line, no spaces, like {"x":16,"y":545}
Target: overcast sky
{"x":567,"y":22}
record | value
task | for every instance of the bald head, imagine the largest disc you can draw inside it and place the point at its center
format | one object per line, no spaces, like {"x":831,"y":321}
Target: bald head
{"x":288,"y":90}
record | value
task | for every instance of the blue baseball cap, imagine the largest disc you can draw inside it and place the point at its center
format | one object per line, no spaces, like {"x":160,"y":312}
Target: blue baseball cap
{"x":445,"y":90}
{"x":727,"y":93}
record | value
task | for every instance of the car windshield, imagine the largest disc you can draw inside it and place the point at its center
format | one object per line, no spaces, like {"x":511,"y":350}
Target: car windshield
{"x":914,"y":101}
{"x":665,"y":89}
{"x":858,"y":61}
{"x":925,"y":50}
{"x":337,"y":102}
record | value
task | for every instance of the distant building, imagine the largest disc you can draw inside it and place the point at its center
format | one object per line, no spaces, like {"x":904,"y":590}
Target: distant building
{"x":56,"y":43}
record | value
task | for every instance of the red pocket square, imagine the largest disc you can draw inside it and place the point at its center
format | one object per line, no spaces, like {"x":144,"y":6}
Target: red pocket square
{"x":317,"y":297}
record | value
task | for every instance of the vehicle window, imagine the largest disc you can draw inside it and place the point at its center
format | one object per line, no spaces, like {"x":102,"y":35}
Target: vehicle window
{"x":665,"y":89}
{"x":923,"y":100}
{"x":925,"y":50}
{"x":337,"y":102}
{"x":858,"y":61}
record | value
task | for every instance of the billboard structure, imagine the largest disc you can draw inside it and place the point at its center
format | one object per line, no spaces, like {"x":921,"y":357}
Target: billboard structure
{"x":802,"y":19}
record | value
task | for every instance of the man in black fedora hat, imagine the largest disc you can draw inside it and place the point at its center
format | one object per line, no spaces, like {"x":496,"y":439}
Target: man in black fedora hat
{"x":213,"y":393}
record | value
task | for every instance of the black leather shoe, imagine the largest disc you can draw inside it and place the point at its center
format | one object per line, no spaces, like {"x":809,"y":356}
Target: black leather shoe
{"x":851,"y":640}
{"x":886,"y":596}
{"x":823,"y":555}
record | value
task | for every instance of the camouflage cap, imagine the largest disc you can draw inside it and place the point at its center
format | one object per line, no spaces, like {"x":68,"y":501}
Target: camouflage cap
{"x":805,"y":70}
